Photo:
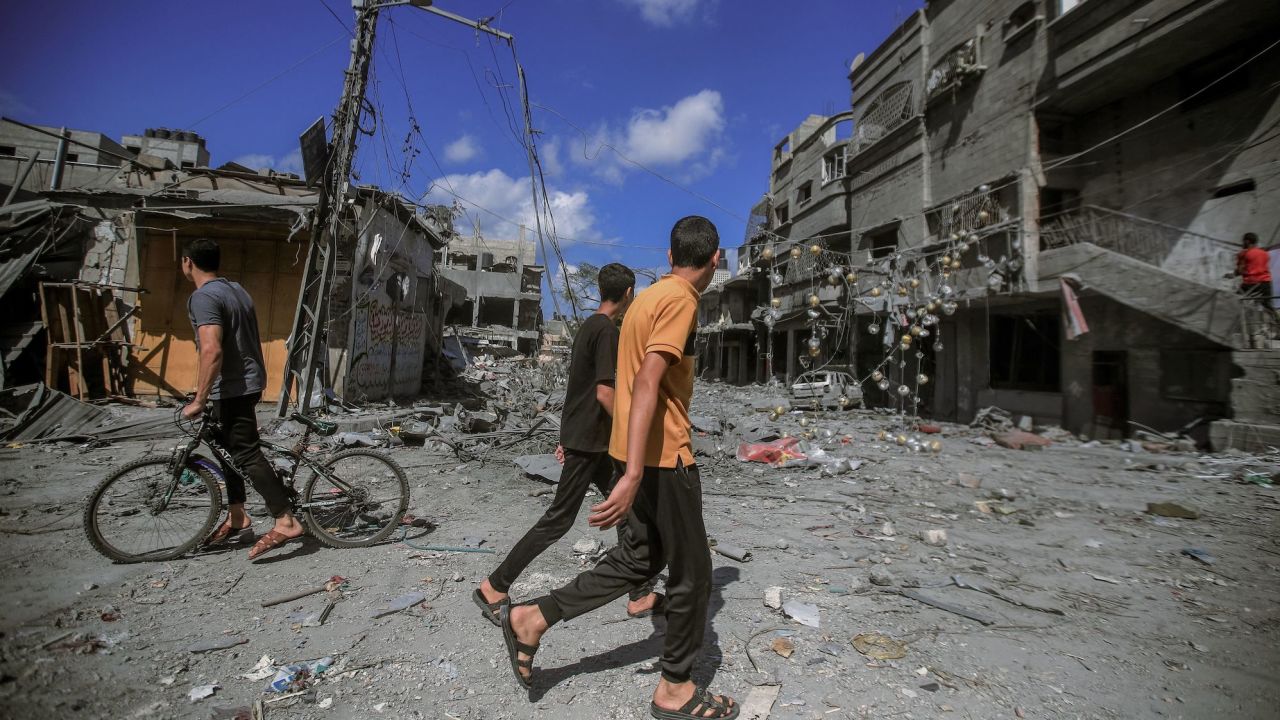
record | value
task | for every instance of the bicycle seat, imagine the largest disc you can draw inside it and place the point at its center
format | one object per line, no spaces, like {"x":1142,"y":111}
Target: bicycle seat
{"x":318,"y":426}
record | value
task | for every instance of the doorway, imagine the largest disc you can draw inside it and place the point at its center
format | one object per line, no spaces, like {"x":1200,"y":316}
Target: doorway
{"x":1110,"y":394}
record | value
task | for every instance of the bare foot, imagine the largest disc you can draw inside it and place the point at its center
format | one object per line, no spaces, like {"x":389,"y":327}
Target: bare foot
{"x":635,"y":607}
{"x":288,"y":526}
{"x":528,"y":625}
{"x":673,"y":696}
{"x":491,"y":596}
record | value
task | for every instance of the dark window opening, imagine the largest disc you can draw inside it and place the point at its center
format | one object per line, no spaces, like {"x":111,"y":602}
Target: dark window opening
{"x":1021,"y":17}
{"x":133,"y":149}
{"x":1025,"y":352}
{"x":881,"y":243}
{"x":460,"y":314}
{"x":1195,"y":375}
{"x":783,"y":214}
{"x":782,"y":150}
{"x":187,"y":164}
{"x":805,"y":193}
{"x":1058,"y":201}
{"x":8,"y":150}
{"x":1235,"y":188}
{"x":497,"y":311}
{"x":73,"y":157}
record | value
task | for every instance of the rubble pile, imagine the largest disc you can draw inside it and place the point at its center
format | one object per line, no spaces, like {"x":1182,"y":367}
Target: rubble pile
{"x":858,"y":572}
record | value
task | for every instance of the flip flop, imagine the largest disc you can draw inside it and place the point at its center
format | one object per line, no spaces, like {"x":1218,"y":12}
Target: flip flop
{"x":659,"y":606}
{"x":224,"y":531}
{"x":487,"y":609}
{"x":701,"y":702}
{"x":515,"y":647}
{"x":269,"y":542}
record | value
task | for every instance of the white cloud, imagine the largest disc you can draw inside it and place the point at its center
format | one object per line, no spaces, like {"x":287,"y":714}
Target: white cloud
{"x":665,"y":13}
{"x":461,"y":150}
{"x":502,"y":195}
{"x":289,"y":162}
{"x":684,"y":137}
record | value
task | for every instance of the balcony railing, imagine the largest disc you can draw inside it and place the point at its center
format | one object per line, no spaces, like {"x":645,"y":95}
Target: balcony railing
{"x":891,"y":108}
{"x":1178,"y":251}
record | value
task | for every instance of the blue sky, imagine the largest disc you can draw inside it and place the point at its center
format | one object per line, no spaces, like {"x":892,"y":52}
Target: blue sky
{"x":696,"y":90}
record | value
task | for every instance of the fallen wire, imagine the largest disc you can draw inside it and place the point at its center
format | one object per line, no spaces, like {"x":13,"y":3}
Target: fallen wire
{"x":404,"y":540}
{"x":747,"y":645}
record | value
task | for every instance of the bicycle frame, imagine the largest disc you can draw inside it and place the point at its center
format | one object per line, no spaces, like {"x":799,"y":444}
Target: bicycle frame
{"x":204,"y":435}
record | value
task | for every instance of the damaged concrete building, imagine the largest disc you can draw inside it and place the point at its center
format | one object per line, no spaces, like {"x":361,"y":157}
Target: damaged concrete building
{"x":1111,"y":154}
{"x":109,"y":246}
{"x":502,"y":310}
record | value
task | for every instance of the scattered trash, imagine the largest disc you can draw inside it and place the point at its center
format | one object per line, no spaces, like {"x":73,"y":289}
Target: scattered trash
{"x":404,"y":602}
{"x":263,"y":669}
{"x":773,"y":598}
{"x":783,"y":646}
{"x":218,"y":643}
{"x":803,"y":613}
{"x":201,"y":692}
{"x":1172,"y":510}
{"x":783,"y":452}
{"x":879,"y":647}
{"x":299,"y":676}
{"x":1200,"y":554}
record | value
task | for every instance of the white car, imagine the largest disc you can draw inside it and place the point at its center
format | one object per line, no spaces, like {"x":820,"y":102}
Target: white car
{"x":828,"y":386}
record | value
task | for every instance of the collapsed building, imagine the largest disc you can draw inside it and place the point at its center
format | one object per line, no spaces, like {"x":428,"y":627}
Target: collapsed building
{"x":96,"y":299}
{"x":501,"y":312}
{"x":1103,"y":160}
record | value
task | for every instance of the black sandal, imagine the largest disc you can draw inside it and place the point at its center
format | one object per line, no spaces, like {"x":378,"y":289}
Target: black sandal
{"x":515,"y":647}
{"x":487,"y":609}
{"x":701,"y":702}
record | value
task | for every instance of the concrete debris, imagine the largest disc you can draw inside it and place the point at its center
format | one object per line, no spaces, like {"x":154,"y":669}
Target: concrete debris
{"x":935,"y":538}
{"x":1020,"y":440}
{"x":803,"y":613}
{"x":202,"y":692}
{"x":543,"y":466}
{"x":773,"y":597}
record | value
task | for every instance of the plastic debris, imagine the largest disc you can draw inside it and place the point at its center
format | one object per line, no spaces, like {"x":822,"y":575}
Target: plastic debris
{"x":803,"y":613}
{"x":263,"y":669}
{"x":404,"y":602}
{"x":201,"y":692}
{"x":779,"y":453}
{"x":540,"y":466}
{"x":298,"y":676}
{"x":1200,"y":554}
{"x":879,"y":647}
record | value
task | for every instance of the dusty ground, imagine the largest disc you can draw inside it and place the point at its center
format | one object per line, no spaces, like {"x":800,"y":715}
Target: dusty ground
{"x":1146,"y":632}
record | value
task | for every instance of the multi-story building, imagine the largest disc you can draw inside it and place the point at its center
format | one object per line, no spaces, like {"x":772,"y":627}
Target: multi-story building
{"x":88,"y":157}
{"x":1045,"y":156}
{"x":503,"y":286}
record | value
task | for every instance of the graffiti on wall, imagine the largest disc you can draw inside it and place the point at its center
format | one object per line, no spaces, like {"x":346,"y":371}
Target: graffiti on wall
{"x":387,"y":344}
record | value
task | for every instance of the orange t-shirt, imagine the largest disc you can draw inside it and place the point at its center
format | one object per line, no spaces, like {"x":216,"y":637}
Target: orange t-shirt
{"x":1255,"y":265}
{"x":663,"y":319}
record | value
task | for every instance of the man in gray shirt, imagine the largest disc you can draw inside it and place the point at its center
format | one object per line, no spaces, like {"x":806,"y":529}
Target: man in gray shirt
{"x":229,"y":384}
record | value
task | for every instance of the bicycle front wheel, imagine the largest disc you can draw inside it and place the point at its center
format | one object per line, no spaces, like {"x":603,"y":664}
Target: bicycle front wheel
{"x":355,"y":499}
{"x":141,"y":514}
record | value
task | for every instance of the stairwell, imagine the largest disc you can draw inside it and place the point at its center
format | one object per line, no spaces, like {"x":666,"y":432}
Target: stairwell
{"x":1183,"y":279}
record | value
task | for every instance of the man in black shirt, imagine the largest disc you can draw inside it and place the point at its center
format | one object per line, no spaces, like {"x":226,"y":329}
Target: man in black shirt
{"x":584,"y":438}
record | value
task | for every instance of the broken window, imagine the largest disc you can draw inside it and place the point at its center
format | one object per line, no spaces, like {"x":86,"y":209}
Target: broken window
{"x":782,"y":213}
{"x":1026,"y":352}
{"x":804,"y":194}
{"x":1058,"y":201}
{"x":73,"y":157}
{"x":8,"y":150}
{"x":881,"y":243}
{"x":833,"y":165}
{"x":1022,"y":17}
{"x":782,"y":151}
{"x":957,"y":67}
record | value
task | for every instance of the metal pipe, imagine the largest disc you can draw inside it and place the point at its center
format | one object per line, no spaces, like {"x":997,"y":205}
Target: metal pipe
{"x":59,"y":160}
{"x":22,"y":177}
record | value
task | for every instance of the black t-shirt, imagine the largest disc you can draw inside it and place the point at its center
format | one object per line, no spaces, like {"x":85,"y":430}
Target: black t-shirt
{"x":585,"y":425}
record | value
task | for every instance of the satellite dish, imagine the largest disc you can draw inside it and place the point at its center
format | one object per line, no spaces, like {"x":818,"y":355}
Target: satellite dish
{"x":857,"y":61}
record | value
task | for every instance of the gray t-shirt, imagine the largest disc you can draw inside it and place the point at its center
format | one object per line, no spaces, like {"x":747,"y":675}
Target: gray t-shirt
{"x":225,"y":303}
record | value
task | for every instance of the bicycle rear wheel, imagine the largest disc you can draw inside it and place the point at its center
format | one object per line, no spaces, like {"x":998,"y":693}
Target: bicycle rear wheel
{"x":357,"y":499}
{"x":132,"y":517}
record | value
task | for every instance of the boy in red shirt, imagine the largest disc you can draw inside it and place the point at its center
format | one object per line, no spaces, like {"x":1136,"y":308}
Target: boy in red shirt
{"x":1253,"y":265}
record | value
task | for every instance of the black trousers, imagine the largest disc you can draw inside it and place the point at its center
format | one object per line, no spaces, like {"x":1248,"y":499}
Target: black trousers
{"x":238,"y":433}
{"x":664,"y":528}
{"x":581,"y":471}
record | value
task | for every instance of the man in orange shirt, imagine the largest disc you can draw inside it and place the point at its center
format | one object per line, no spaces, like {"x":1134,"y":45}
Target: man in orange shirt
{"x":1253,"y":265}
{"x":658,"y":491}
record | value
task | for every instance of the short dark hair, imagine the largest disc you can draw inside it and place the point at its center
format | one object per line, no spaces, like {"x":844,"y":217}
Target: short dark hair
{"x":1250,"y":239}
{"x":694,"y":240}
{"x":204,"y":253}
{"x":614,"y":281}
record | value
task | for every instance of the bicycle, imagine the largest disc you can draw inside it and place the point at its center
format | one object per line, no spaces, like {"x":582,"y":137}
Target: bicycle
{"x":159,"y":508}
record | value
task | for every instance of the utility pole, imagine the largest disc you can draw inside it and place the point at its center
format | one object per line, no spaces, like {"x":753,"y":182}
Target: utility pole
{"x":308,"y":344}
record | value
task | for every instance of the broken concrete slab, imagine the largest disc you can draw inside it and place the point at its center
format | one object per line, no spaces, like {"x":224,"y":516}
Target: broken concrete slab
{"x":545,"y":467}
